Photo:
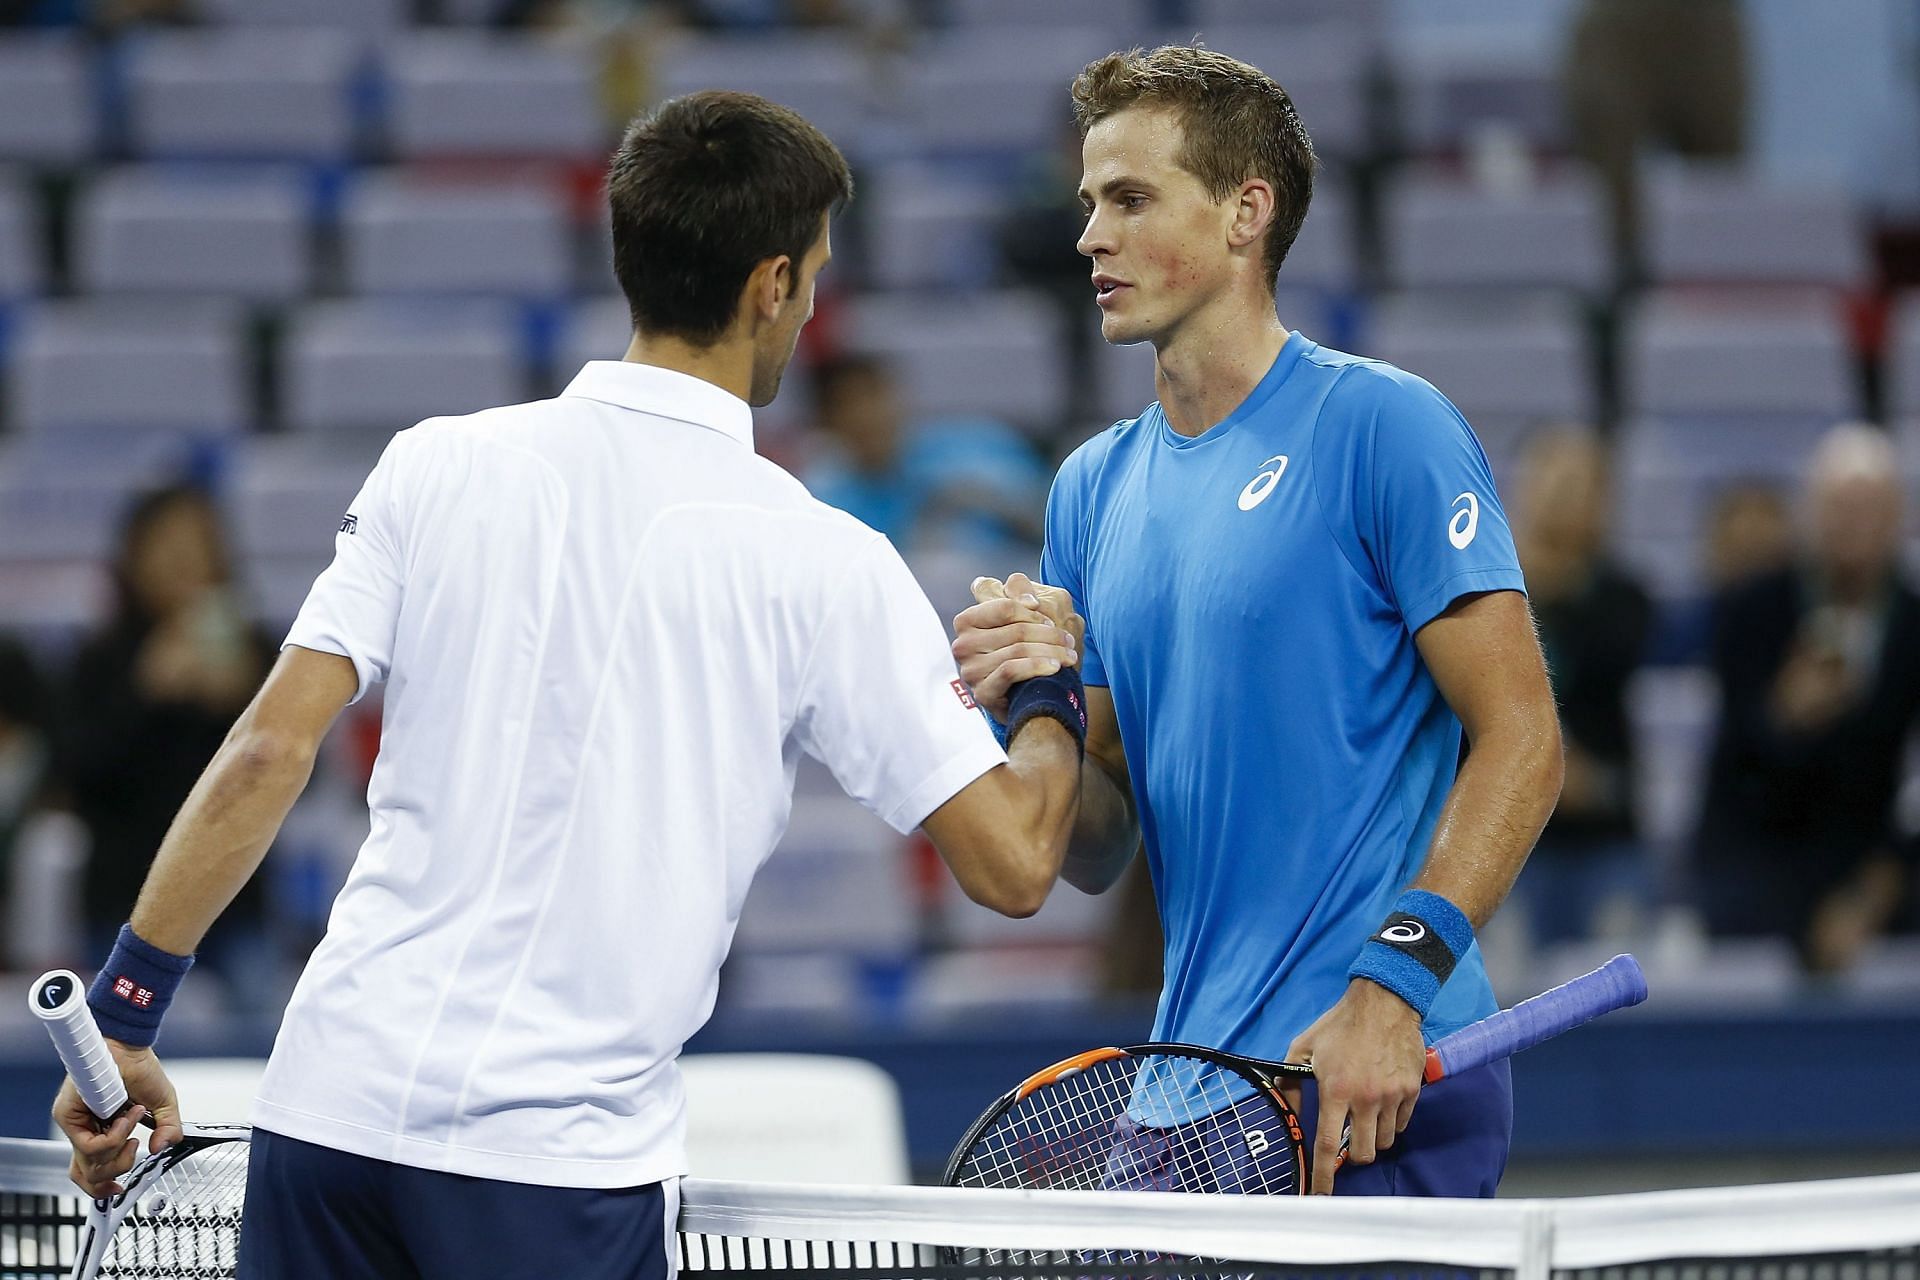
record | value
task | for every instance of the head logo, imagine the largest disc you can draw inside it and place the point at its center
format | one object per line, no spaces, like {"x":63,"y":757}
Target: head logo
{"x":1465,"y":522}
{"x":1261,"y":485}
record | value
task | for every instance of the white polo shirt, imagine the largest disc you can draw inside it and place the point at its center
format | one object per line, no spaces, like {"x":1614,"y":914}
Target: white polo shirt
{"x":608,"y":630}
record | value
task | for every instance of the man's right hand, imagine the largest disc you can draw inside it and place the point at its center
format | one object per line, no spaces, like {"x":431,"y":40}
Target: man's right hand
{"x":1014,"y":631}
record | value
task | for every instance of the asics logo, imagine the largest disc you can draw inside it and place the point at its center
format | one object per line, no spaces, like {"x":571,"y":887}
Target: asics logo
{"x":1465,"y":522}
{"x":1406,"y":933}
{"x":1261,"y":485}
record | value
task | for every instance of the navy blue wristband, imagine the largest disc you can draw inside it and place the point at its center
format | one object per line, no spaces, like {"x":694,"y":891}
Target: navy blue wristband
{"x":134,"y":988}
{"x":1416,"y":949}
{"x":1061,"y":696}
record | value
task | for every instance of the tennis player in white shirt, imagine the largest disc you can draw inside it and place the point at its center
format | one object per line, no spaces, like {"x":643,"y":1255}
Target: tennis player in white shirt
{"x":607,"y":629}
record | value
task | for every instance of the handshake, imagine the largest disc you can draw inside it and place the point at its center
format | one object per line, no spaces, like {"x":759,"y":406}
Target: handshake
{"x":1015,"y":630}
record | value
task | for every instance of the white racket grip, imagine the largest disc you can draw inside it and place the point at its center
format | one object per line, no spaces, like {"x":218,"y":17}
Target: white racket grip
{"x":59,"y":999}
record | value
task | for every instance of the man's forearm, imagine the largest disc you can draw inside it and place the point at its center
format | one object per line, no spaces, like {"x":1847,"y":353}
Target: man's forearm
{"x":1498,"y":806}
{"x":1106,"y":834}
{"x":219,"y":836}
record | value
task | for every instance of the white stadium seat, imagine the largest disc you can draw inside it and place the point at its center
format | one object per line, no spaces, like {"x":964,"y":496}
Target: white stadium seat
{"x":128,"y":366}
{"x":407,"y":235}
{"x":22,"y":271}
{"x":462,"y":93}
{"x":1441,"y":232}
{"x":48,"y":111}
{"x":1710,"y":223}
{"x":790,"y":1117}
{"x":372,"y":18}
{"x":972,"y":91}
{"x":242,"y":92}
{"x":159,"y":230}
{"x":1001,"y":354}
{"x":383,"y":366}
{"x":825,"y":76}
{"x":1706,"y":355}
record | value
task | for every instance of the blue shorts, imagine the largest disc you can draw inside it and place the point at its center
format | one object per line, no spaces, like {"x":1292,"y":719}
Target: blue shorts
{"x":315,"y":1212}
{"x":1455,"y":1145}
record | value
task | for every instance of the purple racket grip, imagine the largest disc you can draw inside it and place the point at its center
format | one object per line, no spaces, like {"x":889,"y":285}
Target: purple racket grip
{"x":1617,"y":984}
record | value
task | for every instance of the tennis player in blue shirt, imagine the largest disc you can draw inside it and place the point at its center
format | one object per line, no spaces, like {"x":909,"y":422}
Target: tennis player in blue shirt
{"x":1298,"y":588}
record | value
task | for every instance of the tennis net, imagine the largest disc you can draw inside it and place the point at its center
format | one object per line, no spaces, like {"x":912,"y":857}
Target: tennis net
{"x":1848,"y":1229}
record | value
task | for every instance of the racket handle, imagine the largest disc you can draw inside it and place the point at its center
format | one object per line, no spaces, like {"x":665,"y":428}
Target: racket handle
{"x":1617,"y":984}
{"x":59,"y":1000}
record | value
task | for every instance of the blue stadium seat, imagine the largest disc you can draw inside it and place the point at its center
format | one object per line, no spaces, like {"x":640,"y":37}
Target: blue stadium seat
{"x":1711,"y":223}
{"x":460,"y":93}
{"x":381,"y":366}
{"x":409,"y":235}
{"x":1443,"y":232}
{"x":995,"y":353}
{"x":126,"y":367}
{"x":597,"y":330}
{"x":161,"y":230}
{"x":250,"y":93}
{"x":48,"y":111}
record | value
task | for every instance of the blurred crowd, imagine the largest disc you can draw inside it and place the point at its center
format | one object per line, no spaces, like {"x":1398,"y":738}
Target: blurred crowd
{"x":1806,"y":826}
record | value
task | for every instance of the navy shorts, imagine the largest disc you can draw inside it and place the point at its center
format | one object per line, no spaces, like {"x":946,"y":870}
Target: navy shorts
{"x":1455,"y":1145}
{"x":315,"y":1212}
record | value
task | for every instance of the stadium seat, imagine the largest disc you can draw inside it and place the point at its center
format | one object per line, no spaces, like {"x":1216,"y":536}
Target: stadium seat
{"x":1509,"y":362}
{"x":1360,"y":15}
{"x":1323,"y":256}
{"x":1458,"y":82}
{"x":48,"y":113}
{"x":1708,"y":223}
{"x":407,"y":235}
{"x":1001,"y":353}
{"x":244,"y":92}
{"x":1123,"y":18}
{"x":159,"y":230}
{"x":825,"y":76}
{"x":839,"y":882}
{"x":1902,"y":378}
{"x":596,"y":330}
{"x":378,"y":365}
{"x":371,"y":18}
{"x":1441,"y":232}
{"x":742,"y":1123}
{"x":130,"y":366}
{"x":1325,"y":67}
{"x":468,"y":94}
{"x":1691,"y":355}
{"x":974,"y":92}
{"x":926,"y":227}
{"x":22,"y":269}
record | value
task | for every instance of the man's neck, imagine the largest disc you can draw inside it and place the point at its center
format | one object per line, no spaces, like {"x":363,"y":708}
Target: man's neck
{"x":1206,"y":369}
{"x":727,"y":364}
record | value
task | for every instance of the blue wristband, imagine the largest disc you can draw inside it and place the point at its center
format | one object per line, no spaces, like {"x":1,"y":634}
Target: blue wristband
{"x":1000,"y":734}
{"x":134,"y":988}
{"x":1416,"y":949}
{"x":1061,"y":696}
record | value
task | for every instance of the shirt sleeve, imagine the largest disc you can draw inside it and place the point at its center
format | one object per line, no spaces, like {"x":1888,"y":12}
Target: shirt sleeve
{"x":1063,"y":558}
{"x":882,"y":704}
{"x":1437,"y":530}
{"x":354,"y":607}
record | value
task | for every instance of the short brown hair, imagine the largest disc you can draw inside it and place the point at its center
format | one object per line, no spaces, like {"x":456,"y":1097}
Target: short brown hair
{"x":703,"y":189}
{"x":1238,"y":122}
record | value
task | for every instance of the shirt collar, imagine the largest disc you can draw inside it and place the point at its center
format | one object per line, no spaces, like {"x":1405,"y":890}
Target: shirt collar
{"x":665,"y":393}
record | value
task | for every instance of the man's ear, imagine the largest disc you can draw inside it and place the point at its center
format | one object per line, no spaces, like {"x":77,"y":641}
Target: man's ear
{"x":1253,"y":213}
{"x":770,"y":287}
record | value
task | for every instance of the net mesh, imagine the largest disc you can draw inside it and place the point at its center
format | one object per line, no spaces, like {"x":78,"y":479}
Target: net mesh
{"x":1853,"y":1229}
{"x":1155,"y":1122}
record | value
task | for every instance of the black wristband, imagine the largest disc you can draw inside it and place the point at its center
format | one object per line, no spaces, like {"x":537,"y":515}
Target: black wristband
{"x":1061,"y":696}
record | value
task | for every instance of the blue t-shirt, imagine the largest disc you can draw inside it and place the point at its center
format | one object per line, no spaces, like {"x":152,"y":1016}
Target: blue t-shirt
{"x":1251,"y":597}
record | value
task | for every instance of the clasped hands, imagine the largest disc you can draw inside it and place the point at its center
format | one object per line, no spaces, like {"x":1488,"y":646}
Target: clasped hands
{"x":1015,"y":630}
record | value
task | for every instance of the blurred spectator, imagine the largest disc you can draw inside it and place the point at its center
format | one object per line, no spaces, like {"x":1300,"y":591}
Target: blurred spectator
{"x":1037,"y":242}
{"x":1819,"y":668}
{"x":25,"y":753}
{"x":1653,"y":73}
{"x":1749,"y":532}
{"x":951,"y":483}
{"x":1588,"y":873}
{"x":150,"y":698}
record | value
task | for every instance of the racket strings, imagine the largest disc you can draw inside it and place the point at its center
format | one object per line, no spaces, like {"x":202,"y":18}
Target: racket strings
{"x":186,"y":1224}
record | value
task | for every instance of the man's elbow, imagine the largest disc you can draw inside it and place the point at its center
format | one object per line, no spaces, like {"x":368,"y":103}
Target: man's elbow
{"x":1028,"y":871}
{"x":260,"y":752}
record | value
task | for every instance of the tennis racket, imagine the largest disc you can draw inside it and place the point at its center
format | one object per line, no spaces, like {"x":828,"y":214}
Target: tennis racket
{"x":1177,"y":1117}
{"x":178,"y":1211}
